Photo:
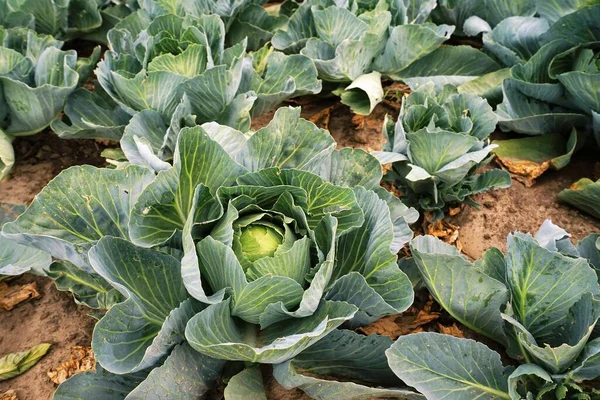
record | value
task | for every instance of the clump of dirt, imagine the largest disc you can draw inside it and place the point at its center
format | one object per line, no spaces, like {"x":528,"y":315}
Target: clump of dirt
{"x":524,"y":209}
{"x":53,"y":318}
{"x":39,"y":158}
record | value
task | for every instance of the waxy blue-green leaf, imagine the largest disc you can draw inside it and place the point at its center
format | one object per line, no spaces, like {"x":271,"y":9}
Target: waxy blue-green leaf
{"x":91,"y":115}
{"x":570,"y":338}
{"x":221,"y":270}
{"x":142,"y":139}
{"x":576,"y":69}
{"x":454,"y":65}
{"x":519,"y":380}
{"x":216,"y":333}
{"x":468,"y":294}
{"x":247,"y":385}
{"x":589,"y":247}
{"x":77,"y":208}
{"x":440,"y":366}
{"x":322,"y":197}
{"x":134,"y":89}
{"x":255,"y":24}
{"x":515,"y":39}
{"x":288,"y":141}
{"x":359,"y":360}
{"x":583,"y":194}
{"x":98,"y":385}
{"x":16,"y":258}
{"x":348,"y":167}
{"x":415,"y":41}
{"x":488,"y":86}
{"x":577,"y":27}
{"x":164,"y":205}
{"x":324,"y":236}
{"x":523,"y":114}
{"x":364,"y":93}
{"x":137,"y":333}
{"x":492,"y":11}
{"x":553,"y":10}
{"x":588,"y":364}
{"x":88,"y":288}
{"x":544,"y":285}
{"x":284,"y":77}
{"x":366,"y":273}
{"x":185,"y":374}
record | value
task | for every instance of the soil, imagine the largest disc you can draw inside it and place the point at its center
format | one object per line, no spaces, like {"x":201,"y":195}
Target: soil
{"x":524,"y":209}
{"x":56,"y":319}
{"x":39,"y":158}
{"x":53,"y":318}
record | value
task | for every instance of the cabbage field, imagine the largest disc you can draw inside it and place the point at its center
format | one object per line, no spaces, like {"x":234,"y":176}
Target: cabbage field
{"x":317,"y":199}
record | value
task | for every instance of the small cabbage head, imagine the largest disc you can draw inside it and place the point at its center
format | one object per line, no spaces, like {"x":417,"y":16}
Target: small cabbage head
{"x":438,"y":142}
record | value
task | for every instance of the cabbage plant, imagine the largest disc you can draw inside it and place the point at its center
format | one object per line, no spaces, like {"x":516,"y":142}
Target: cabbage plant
{"x":540,"y":301}
{"x":64,"y":19}
{"x":355,"y":43}
{"x":243,"y":19}
{"x":555,"y":91}
{"x":156,"y":63}
{"x":248,"y":248}
{"x":36,"y":77}
{"x":436,"y":146}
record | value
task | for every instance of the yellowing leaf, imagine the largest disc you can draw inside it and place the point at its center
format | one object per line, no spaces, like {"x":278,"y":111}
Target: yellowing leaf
{"x":15,"y":364}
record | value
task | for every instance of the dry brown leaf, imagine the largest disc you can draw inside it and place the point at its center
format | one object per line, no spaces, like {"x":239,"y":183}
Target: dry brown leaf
{"x":394,"y":326}
{"x":444,"y":231}
{"x":390,"y":187}
{"x":9,"y":395}
{"x":524,"y":171}
{"x":11,"y":296}
{"x":81,"y":359}
{"x":322,"y":118}
{"x":454,"y":211}
{"x":452,"y":330}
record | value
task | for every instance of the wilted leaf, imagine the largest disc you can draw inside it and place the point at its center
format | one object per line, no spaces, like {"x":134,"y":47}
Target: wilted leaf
{"x":530,"y":157}
{"x":15,"y":364}
{"x":452,"y":330}
{"x":410,"y":321}
{"x":81,"y":359}
{"x":10,"y":296}
{"x":9,"y":395}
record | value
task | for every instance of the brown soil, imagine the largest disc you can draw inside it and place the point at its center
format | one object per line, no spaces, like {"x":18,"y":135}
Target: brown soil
{"x":39,"y":158}
{"x":525,"y":209}
{"x":53,"y":318}
{"x":56,"y":319}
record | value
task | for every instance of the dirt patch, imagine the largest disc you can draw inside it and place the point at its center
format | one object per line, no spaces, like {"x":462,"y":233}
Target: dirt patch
{"x":524,"y":209}
{"x":53,"y":318}
{"x":39,"y":158}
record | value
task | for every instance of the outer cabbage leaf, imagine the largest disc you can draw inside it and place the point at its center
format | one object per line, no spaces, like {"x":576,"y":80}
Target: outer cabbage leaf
{"x":471,"y":296}
{"x":77,"y":208}
{"x":441,"y":365}
{"x":16,"y":258}
{"x":583,"y":194}
{"x":352,"y":357}
{"x":137,"y":333}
